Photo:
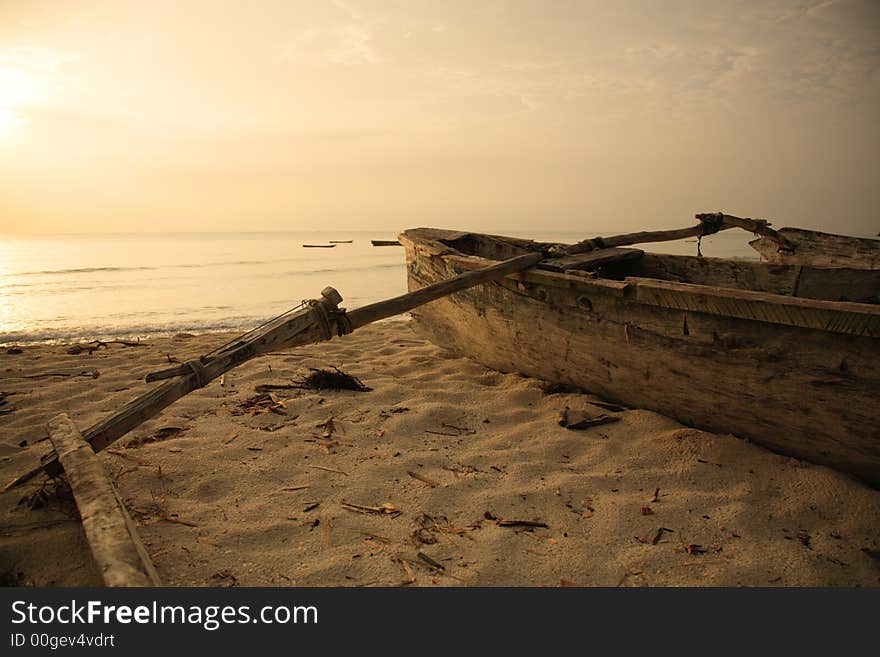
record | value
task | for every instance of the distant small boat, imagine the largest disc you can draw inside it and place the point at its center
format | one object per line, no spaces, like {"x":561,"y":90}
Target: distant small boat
{"x":386,"y":243}
{"x":341,"y":241}
{"x":318,"y":246}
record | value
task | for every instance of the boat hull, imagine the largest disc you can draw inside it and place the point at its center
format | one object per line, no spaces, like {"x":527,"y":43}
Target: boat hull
{"x":799,"y":391}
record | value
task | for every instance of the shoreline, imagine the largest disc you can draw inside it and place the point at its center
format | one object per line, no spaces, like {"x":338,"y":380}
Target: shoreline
{"x":227,"y":491}
{"x":95,"y":335}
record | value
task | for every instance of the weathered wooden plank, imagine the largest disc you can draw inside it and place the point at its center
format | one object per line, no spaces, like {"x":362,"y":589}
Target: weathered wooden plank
{"x":739,"y":274}
{"x":821,"y":249}
{"x":118,"y":551}
{"x":835,"y":317}
{"x":831,"y":284}
{"x":591,"y":259}
{"x":838,"y":284}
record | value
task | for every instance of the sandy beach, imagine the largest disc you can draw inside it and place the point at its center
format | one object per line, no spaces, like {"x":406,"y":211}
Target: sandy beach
{"x":424,"y":480}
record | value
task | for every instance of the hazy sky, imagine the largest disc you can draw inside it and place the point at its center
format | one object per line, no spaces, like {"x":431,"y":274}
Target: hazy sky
{"x":480,"y":114}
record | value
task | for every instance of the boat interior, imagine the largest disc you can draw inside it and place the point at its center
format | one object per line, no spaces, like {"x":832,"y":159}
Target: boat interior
{"x":830,"y":284}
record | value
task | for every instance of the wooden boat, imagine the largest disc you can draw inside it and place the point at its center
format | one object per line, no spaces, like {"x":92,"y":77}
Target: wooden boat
{"x":341,"y":241}
{"x":385,"y":242}
{"x":319,"y":246}
{"x":786,"y":355}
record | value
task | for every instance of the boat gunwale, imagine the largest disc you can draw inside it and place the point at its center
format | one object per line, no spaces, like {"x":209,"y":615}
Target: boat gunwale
{"x":866,"y":314}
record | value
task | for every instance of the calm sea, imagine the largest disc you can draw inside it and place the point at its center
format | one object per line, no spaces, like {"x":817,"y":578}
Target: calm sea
{"x":71,"y":287}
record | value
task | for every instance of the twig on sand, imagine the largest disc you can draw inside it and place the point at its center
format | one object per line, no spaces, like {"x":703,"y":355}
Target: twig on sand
{"x":522,"y":523}
{"x":94,"y":345}
{"x":321,"y":467}
{"x":268,"y":387}
{"x":423,"y":478}
{"x":428,"y":560}
{"x":659,"y":534}
{"x":459,"y":431}
{"x":411,"y":577}
{"x":94,"y":374}
{"x":382,"y":509}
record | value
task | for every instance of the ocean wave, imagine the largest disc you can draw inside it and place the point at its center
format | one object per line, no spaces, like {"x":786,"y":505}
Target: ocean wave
{"x":188,"y":265}
{"x":338,"y":270}
{"x":80,"y":270}
{"x":19,"y":289}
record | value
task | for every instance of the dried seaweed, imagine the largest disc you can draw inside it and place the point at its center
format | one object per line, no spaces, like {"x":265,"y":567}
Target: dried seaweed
{"x":330,"y":379}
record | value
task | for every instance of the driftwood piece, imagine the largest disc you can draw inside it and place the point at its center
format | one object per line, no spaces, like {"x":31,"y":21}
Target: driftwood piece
{"x":111,"y":533}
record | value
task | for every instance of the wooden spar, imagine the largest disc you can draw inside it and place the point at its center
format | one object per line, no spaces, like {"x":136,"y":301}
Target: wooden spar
{"x":112,"y":536}
{"x":401,"y":304}
{"x":321,"y":321}
{"x":710,"y":223}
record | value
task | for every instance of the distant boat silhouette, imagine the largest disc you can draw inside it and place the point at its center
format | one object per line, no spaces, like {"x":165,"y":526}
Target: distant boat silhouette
{"x":341,"y":241}
{"x":386,"y":243}
{"x":318,"y":246}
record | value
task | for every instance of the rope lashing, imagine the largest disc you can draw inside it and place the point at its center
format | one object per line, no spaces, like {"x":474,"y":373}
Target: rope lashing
{"x":198,"y":369}
{"x":712,"y":222}
{"x":322,"y":318}
{"x":343,"y":323}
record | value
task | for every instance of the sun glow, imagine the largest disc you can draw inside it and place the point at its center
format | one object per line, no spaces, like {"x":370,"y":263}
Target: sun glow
{"x":23,"y":84}
{"x":9,"y":122}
